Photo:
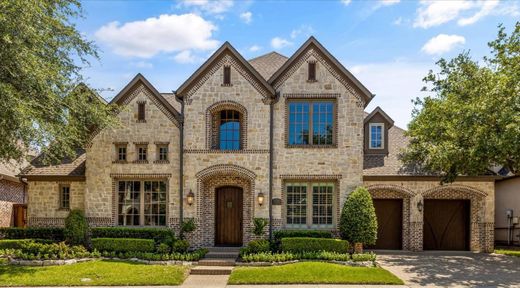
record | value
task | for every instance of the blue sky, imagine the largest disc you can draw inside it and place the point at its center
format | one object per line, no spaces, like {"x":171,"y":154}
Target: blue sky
{"x":389,"y":45}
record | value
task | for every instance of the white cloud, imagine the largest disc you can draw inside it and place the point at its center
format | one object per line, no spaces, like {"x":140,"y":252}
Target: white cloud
{"x":305,"y":30}
{"x":166,"y":33}
{"x":279,"y":43}
{"x":254,"y":48}
{"x":247,"y":17}
{"x":142,"y":64}
{"x":388,"y":2}
{"x":186,"y":57}
{"x":433,"y":13}
{"x":486,"y":8}
{"x":346,"y":2}
{"x":208,"y":6}
{"x":442,"y":43}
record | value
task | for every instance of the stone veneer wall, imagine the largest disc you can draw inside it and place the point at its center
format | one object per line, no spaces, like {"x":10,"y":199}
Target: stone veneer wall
{"x":480,"y":193}
{"x":43,"y":209}
{"x":10,"y":193}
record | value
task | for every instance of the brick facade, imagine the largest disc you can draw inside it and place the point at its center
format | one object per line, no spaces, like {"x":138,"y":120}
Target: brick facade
{"x":10,"y":193}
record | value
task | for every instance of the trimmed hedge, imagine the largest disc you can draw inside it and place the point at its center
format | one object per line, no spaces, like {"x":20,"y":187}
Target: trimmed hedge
{"x":279,"y":234}
{"x":55,"y":234}
{"x":306,"y":244}
{"x":123,"y":245}
{"x":159,"y":235}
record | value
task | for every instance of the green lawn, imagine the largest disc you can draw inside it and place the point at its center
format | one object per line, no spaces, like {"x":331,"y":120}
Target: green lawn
{"x":312,"y":273}
{"x":101,"y":272}
{"x":508,"y":252}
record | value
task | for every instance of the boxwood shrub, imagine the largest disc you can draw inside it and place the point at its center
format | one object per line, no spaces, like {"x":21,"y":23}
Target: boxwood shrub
{"x":54,"y":234}
{"x":123,"y":245}
{"x":159,"y":235}
{"x":306,"y":244}
{"x":256,"y":246}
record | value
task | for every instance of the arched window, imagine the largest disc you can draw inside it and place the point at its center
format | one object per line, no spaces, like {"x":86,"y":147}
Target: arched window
{"x":229,"y":130}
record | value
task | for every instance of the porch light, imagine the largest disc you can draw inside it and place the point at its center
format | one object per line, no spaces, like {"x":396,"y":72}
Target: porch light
{"x":260,"y":198}
{"x":190,"y":198}
{"x":420,"y":205}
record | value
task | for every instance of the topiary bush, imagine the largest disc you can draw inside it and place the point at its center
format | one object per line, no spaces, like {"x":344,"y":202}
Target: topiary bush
{"x":123,"y":245}
{"x":358,"y":223}
{"x":305,"y":244}
{"x":76,"y":228}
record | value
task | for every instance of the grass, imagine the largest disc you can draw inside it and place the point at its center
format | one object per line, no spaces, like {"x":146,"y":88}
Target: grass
{"x":102,"y":272}
{"x":312,"y":273}
{"x":508,"y":252}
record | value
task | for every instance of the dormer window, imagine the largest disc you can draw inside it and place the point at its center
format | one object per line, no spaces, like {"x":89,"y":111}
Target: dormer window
{"x":141,"y":108}
{"x":312,"y":72}
{"x":376,"y":131}
{"x":227,"y":76}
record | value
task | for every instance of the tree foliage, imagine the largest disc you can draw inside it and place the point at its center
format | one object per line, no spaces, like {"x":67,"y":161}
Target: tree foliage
{"x":76,"y":228}
{"x":42,"y":53}
{"x":358,"y":222}
{"x":472,"y":122}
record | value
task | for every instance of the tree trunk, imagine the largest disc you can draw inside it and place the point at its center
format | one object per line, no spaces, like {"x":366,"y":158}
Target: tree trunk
{"x":358,"y":247}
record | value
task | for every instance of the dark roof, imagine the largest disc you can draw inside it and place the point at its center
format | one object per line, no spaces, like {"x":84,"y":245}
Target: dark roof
{"x":268,"y":64}
{"x":379,"y":111}
{"x":67,"y":167}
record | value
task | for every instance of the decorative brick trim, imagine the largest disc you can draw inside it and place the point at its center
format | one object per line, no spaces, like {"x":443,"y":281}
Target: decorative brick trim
{"x":458,"y":187}
{"x":161,"y":143}
{"x":119,"y":162}
{"x":141,"y":143}
{"x":227,"y":59}
{"x":311,"y":52}
{"x":140,"y":162}
{"x":45,"y":222}
{"x":310,"y":177}
{"x":213,"y":122}
{"x":100,"y":221}
{"x":216,"y":151}
{"x":311,"y":95}
{"x":139,"y":176}
{"x":120,"y":143}
{"x":225,"y":169}
{"x":390,"y":187}
{"x":161,"y":162}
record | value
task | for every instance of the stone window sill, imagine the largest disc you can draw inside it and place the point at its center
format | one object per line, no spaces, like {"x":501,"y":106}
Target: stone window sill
{"x":333,"y":146}
{"x":312,"y":81}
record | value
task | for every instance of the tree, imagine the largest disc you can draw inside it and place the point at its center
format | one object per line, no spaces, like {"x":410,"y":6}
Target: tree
{"x":76,"y":228}
{"x":358,"y":222}
{"x":42,"y":54}
{"x":472,"y":122}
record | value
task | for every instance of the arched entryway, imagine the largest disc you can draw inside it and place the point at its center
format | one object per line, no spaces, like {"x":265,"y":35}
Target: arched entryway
{"x":228,"y":216}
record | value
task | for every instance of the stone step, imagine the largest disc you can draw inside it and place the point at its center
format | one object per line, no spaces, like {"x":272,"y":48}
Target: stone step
{"x":226,"y":255}
{"x":216,"y":262}
{"x":211,"y":270}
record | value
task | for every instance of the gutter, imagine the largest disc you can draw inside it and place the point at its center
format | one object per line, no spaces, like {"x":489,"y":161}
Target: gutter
{"x":271,"y":160}
{"x":181,"y":166}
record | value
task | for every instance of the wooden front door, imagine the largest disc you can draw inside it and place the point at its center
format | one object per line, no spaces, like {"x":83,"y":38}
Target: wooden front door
{"x":446,"y":224}
{"x":389,"y":223}
{"x":20,"y":213}
{"x":228,"y":216}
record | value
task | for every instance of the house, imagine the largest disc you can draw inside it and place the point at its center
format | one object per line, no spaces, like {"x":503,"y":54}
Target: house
{"x":507,"y":226}
{"x":285,"y":139}
{"x":12,"y":195}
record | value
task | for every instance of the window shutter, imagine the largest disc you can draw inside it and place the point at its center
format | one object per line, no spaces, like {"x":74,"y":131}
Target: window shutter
{"x":141,"y":111}
{"x":312,"y":71}
{"x":227,"y":75}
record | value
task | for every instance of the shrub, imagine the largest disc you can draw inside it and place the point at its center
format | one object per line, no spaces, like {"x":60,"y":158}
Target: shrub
{"x":163,"y":248}
{"x":30,"y":250}
{"x":13,"y":243}
{"x":269,"y":257}
{"x":360,"y":257}
{"x":305,"y":244}
{"x":76,"y":228}
{"x":259,"y":225}
{"x":181,"y":246}
{"x":159,"y":235}
{"x":123,"y":245}
{"x":256,"y":246}
{"x":188,"y":226}
{"x":54,"y":234}
{"x":192,"y":256}
{"x":358,"y":223}
{"x":279,"y":234}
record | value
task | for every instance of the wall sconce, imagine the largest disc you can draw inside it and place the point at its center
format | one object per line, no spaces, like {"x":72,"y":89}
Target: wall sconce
{"x":260,"y":198}
{"x":420,"y":205}
{"x":190,"y":198}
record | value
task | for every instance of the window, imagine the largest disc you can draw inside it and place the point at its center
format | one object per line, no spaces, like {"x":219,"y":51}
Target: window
{"x":141,"y":203}
{"x":309,"y":205}
{"x":376,"y":138}
{"x":227,"y":75}
{"x":162,"y":151}
{"x":312,"y":71}
{"x":141,"y":111}
{"x":229,"y":130}
{"x":314,"y":120}
{"x":64,"y":196}
{"x":121,"y":152}
{"x":141,"y":152}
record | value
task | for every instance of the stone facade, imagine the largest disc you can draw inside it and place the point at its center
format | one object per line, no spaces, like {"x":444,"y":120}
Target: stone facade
{"x":10,"y":193}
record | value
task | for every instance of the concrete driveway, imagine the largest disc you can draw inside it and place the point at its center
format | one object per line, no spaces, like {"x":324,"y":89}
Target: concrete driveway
{"x":443,"y":269}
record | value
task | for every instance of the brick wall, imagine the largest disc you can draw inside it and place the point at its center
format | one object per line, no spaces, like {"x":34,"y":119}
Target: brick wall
{"x":10,"y":193}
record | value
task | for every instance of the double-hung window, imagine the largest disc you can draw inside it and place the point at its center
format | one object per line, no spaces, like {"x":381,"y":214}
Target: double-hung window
{"x":64,"y":197}
{"x":376,"y":138}
{"x":311,"y":122}
{"x":141,"y":203}
{"x":309,"y":205}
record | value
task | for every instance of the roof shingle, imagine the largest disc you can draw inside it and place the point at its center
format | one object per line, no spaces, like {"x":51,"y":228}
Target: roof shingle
{"x":268,"y":64}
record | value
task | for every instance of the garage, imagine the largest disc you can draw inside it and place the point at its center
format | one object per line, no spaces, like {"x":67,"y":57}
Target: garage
{"x":389,"y":223}
{"x":446,"y":225}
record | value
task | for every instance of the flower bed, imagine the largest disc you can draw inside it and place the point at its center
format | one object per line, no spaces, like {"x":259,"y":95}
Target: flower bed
{"x":270,"y":259}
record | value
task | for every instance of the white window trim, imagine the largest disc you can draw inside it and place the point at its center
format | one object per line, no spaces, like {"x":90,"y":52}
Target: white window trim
{"x":370,"y":125}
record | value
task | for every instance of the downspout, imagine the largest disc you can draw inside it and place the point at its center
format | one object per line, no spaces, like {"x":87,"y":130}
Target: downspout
{"x":271,"y":157}
{"x":181,"y":167}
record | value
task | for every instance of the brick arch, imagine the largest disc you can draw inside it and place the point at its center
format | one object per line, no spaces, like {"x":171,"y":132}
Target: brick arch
{"x":462,"y":189}
{"x":213,"y":119}
{"x":390,"y":191}
{"x":225,"y":169}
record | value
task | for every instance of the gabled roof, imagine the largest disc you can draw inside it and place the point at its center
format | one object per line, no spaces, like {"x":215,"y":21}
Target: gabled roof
{"x":312,"y":42}
{"x":226,"y":47}
{"x":140,"y":79}
{"x":379,"y":111}
{"x":71,"y":168}
{"x":268,"y":64}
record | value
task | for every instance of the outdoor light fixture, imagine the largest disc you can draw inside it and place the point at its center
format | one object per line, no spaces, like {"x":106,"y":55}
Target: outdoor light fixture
{"x":190,"y":198}
{"x":419,"y":205}
{"x":260,"y":198}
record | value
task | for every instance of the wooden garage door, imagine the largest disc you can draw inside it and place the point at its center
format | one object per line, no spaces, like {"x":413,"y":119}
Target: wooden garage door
{"x":446,"y":225}
{"x":389,"y":223}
